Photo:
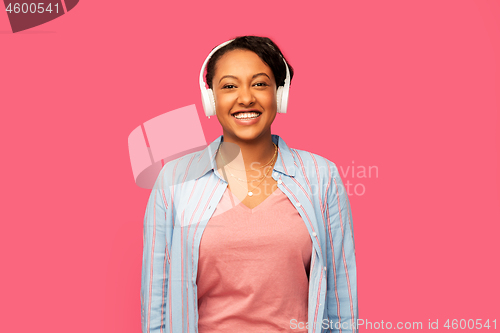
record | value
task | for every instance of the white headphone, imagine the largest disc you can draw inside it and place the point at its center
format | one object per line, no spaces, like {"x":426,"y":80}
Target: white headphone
{"x":207,"y":95}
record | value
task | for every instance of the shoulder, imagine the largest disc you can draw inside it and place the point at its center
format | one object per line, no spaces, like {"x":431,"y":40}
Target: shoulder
{"x":181,"y":169}
{"x":311,"y":164}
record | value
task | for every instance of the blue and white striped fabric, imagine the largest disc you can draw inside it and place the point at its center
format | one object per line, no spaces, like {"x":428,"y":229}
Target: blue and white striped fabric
{"x":184,"y":198}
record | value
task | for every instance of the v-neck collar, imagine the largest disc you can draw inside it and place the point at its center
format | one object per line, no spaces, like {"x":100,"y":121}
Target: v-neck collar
{"x":236,"y":203}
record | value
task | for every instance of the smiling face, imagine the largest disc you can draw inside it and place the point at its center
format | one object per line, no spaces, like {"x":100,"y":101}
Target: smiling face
{"x":244,"y":83}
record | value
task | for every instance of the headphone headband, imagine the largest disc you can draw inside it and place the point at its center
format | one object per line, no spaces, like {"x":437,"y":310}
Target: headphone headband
{"x":202,"y":82}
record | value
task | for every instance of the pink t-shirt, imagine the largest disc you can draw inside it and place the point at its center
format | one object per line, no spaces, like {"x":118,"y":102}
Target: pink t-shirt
{"x":253,"y":267}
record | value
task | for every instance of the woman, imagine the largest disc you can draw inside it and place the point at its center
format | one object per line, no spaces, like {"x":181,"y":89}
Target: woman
{"x":248,"y":235}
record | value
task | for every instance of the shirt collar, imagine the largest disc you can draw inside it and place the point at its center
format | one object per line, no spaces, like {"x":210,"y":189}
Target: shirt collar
{"x":284,"y":164}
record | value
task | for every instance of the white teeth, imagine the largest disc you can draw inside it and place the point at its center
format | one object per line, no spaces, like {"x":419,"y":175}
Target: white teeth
{"x":248,"y":115}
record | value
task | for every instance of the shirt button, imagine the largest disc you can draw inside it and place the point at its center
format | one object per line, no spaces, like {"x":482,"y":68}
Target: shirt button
{"x":314,"y":234}
{"x":324,"y":268}
{"x":279,"y":181}
{"x":298,"y":204}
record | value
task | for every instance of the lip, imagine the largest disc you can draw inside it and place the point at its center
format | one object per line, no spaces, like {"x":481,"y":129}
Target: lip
{"x":246,"y":122}
{"x":249,"y":110}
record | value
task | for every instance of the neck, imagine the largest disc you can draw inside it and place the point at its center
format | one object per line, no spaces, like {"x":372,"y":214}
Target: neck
{"x":248,"y":154}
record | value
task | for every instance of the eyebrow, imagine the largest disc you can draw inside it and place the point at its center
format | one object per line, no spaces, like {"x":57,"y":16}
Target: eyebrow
{"x":253,"y":77}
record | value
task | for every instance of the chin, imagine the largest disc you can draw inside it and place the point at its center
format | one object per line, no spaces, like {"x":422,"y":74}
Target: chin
{"x":245,"y":134}
{"x":249,"y":135}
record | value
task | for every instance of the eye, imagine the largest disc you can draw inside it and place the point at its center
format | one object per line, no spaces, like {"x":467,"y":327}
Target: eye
{"x":261,"y":84}
{"x":228,"y":86}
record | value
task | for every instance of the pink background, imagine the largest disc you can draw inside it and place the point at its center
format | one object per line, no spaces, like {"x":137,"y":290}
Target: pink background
{"x":409,"y":87}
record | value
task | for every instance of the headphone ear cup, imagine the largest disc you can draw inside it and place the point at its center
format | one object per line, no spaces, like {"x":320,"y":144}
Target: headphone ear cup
{"x":284,"y":99}
{"x":212,"y":101}
{"x":279,"y":100}
{"x":207,"y":98}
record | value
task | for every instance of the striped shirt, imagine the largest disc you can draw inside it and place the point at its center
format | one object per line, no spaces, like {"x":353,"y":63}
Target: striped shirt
{"x":185,"y":196}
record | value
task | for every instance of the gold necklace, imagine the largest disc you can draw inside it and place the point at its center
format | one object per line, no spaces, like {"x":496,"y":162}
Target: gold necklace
{"x":250,"y":193}
{"x":247,"y":181}
{"x":272,"y":158}
{"x":253,"y":180}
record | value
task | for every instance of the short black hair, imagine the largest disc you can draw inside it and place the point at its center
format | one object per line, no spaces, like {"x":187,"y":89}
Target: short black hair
{"x":264,"y":47}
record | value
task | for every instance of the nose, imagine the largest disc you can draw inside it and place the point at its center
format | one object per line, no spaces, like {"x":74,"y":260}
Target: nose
{"x":245,"y":96}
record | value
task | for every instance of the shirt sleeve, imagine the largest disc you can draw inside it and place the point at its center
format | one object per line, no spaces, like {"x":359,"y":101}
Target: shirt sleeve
{"x":342,"y":301}
{"x":156,"y":259}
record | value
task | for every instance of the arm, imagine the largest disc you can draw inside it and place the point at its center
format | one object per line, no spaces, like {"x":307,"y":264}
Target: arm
{"x":156,"y":259}
{"x":342,"y":300}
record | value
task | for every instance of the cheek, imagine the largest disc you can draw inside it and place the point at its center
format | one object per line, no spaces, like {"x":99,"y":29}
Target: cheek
{"x":270,"y":99}
{"x":221,"y":99}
